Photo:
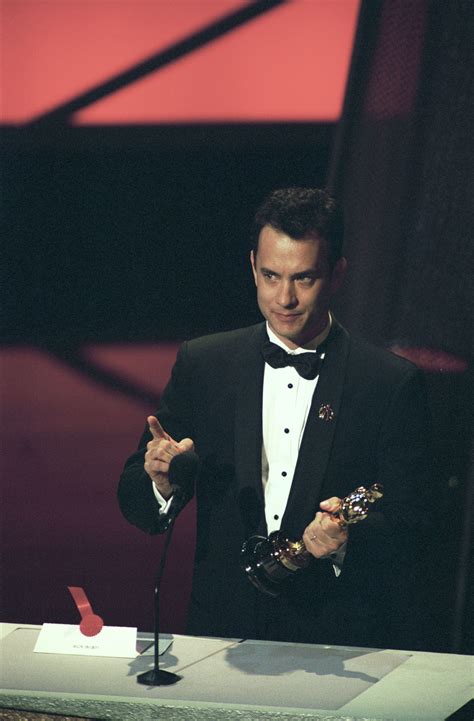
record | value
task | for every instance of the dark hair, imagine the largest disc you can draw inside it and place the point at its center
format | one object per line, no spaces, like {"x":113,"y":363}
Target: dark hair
{"x":300,"y":212}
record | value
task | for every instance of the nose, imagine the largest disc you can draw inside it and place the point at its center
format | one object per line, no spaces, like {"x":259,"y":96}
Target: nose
{"x":286,"y":295}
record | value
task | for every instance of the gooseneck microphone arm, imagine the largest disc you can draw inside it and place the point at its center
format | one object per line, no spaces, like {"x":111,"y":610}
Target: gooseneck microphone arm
{"x":183,"y":471}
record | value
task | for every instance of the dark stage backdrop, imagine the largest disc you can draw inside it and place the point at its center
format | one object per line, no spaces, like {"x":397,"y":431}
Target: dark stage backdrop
{"x":141,"y":233}
{"x":121,"y":241}
{"x":403,"y":168}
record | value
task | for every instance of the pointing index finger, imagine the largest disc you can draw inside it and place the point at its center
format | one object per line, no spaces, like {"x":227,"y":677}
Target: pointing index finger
{"x":156,"y":429}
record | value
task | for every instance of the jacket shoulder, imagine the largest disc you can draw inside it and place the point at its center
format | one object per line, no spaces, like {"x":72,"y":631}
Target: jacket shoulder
{"x":378,"y":362}
{"x":225,"y":342}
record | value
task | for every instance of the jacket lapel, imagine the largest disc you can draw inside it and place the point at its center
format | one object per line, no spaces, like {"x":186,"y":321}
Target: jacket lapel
{"x":248,"y":431}
{"x":318,"y":436}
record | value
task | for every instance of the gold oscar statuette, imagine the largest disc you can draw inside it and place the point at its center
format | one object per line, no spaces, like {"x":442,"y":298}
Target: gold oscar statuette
{"x":269,"y":561}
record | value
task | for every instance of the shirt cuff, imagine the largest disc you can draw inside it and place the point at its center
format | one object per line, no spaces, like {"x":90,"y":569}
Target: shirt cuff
{"x":337,"y":559}
{"x":164,"y":503}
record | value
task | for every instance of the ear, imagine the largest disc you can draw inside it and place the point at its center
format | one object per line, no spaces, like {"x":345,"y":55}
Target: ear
{"x":252,"y":263}
{"x":338,"y":274}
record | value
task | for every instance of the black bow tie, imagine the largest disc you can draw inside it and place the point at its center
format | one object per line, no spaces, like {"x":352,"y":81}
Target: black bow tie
{"x":307,"y":364}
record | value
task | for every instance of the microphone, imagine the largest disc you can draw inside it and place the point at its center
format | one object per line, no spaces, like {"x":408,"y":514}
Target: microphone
{"x":182,"y":475}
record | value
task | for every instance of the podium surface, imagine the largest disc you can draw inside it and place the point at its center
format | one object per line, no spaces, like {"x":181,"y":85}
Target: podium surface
{"x":235,"y":679}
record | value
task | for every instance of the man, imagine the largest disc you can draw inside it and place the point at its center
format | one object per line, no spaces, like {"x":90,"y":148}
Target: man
{"x":279,"y":446}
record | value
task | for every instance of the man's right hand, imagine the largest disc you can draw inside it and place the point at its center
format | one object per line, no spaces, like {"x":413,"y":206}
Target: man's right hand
{"x":160,"y":452}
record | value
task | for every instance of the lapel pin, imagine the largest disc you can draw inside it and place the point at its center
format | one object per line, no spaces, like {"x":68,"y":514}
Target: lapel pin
{"x":326,"y":413}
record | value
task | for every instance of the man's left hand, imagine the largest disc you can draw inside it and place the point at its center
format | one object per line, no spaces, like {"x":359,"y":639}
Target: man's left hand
{"x":325,"y":535}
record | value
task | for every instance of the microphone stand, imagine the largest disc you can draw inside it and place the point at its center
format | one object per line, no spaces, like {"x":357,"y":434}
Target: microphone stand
{"x":158,"y":677}
{"x":182,"y":474}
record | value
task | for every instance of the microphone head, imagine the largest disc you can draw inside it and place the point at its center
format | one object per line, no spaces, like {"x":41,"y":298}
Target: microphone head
{"x":182,"y":474}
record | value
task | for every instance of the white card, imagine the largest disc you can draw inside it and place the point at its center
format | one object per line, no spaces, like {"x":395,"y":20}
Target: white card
{"x":115,"y":641}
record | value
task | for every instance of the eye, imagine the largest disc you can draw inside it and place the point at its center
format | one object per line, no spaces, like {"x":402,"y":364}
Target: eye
{"x":268,"y":274}
{"x":306,"y":279}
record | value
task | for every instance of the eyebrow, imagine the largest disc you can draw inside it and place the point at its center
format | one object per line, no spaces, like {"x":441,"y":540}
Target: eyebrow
{"x":295,"y":276}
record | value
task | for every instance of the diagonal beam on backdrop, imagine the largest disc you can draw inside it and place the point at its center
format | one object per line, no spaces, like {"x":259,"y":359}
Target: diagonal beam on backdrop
{"x":158,"y":60}
{"x":106,"y":378}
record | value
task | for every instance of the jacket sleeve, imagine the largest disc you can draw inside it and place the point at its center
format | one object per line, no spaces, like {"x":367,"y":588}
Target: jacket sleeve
{"x":388,"y":554}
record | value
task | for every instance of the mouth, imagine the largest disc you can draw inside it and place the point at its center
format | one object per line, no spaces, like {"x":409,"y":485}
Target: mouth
{"x":287,"y":317}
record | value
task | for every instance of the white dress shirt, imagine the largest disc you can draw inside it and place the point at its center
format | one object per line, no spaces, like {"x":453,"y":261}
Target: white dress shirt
{"x":286,"y":403}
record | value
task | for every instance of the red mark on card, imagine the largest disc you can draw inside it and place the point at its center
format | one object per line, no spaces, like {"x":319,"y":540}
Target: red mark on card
{"x":91,"y":624}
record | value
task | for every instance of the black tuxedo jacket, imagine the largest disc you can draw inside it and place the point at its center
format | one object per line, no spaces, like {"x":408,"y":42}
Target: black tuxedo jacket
{"x":379,"y":433}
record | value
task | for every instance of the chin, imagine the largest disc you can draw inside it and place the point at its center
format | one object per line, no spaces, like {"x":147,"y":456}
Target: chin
{"x":294,"y":338}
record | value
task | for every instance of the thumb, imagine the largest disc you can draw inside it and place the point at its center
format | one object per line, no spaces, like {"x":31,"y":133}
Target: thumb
{"x":331,"y":504}
{"x":186,"y":445}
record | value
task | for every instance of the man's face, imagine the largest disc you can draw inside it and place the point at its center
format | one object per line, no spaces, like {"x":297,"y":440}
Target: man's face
{"x":294,"y":284}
